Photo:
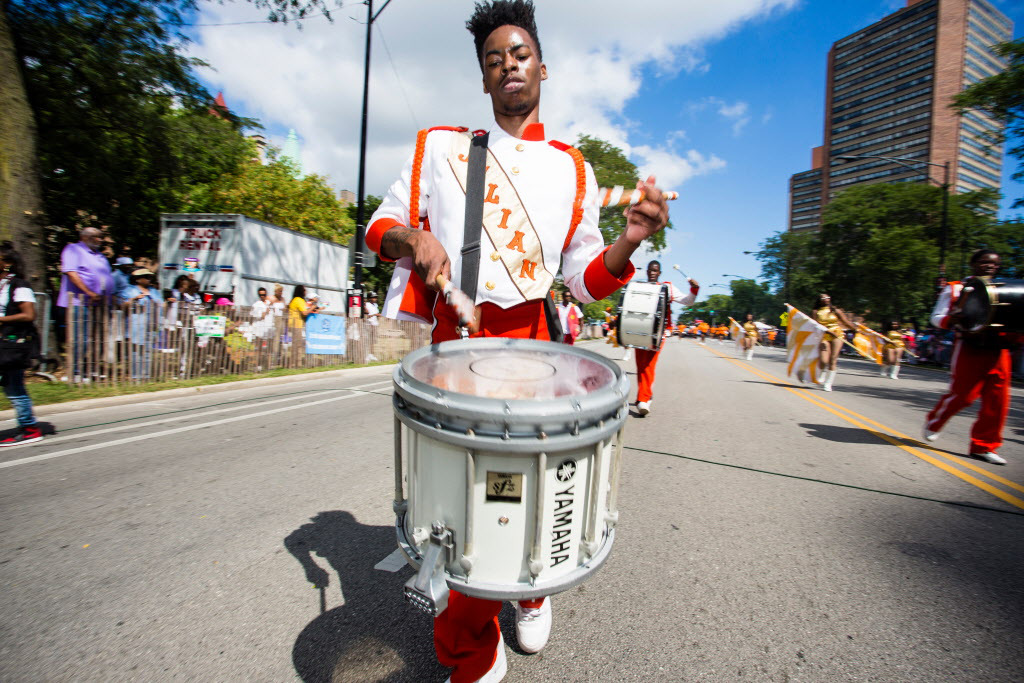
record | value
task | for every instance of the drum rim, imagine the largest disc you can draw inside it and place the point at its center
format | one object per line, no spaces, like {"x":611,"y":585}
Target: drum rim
{"x":583,"y":409}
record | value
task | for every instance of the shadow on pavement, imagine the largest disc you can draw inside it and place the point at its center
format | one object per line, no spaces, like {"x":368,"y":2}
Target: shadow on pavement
{"x":840,"y":434}
{"x":374,"y":635}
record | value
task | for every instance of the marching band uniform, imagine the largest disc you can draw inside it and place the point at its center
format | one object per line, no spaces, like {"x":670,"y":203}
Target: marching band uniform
{"x":647,"y":360}
{"x":896,"y":341}
{"x":750,"y":331}
{"x":833,"y":330}
{"x":981,"y":366}
{"x":540,"y":212}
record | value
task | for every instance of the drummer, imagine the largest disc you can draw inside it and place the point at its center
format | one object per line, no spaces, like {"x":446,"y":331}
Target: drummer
{"x":544,"y":218}
{"x":647,"y":360}
{"x":981,"y":366}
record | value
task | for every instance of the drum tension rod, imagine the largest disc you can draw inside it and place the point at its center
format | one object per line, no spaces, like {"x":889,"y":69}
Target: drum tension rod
{"x":428,"y":590}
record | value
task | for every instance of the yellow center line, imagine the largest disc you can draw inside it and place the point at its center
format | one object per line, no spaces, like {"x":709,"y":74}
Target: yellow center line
{"x":831,"y":407}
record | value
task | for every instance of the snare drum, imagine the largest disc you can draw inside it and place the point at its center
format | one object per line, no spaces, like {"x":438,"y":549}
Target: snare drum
{"x":992,"y":304}
{"x":643,"y":315}
{"x":507,"y":457}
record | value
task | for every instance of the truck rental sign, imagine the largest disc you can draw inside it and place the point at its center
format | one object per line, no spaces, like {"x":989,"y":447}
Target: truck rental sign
{"x":204,"y":248}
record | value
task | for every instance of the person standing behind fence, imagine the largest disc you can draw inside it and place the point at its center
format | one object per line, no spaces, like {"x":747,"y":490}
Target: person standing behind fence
{"x":142,"y":300}
{"x":372,"y":312}
{"x":86,"y":282}
{"x":17,"y":304}
{"x":298,"y":309}
{"x":123,"y":267}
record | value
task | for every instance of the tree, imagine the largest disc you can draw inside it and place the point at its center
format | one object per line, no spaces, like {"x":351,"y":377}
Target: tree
{"x":99,"y":76}
{"x":749,"y":296}
{"x":611,"y":168}
{"x":1002,"y":97}
{"x":789,"y":264}
{"x":273,"y":193}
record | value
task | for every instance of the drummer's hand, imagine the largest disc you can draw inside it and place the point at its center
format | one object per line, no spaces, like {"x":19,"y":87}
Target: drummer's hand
{"x":430,"y":259}
{"x":646,"y":217}
{"x":693,"y":283}
{"x":317,"y":576}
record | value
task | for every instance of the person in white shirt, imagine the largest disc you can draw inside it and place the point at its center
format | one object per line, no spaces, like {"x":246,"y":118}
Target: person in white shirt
{"x":372,"y":313}
{"x":571,"y":318}
{"x":17,"y":313}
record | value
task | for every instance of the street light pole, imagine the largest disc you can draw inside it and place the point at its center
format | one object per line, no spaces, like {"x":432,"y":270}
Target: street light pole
{"x":944,"y":220}
{"x":357,"y":278}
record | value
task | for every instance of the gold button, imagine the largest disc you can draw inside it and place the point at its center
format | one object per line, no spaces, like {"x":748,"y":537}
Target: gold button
{"x":495,"y":256}
{"x":520,"y":147}
{"x":515,"y":170}
{"x":489,"y":285}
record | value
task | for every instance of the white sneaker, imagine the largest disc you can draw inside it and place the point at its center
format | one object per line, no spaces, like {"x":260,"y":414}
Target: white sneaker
{"x":533,"y":626}
{"x":497,"y":670}
{"x":883,"y":371}
{"x":895,"y":373}
{"x":929,"y":435}
{"x":643,"y":407}
{"x":990,"y":458}
{"x":829,"y":376}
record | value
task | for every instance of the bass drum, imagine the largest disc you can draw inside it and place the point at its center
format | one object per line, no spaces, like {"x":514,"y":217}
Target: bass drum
{"x":643,"y":315}
{"x":992,"y":304}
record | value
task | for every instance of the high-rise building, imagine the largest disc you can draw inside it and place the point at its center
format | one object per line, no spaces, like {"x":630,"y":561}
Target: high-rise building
{"x":888,"y":91}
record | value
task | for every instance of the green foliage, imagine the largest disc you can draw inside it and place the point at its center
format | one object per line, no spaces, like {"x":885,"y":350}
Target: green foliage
{"x":271,"y":192}
{"x":877,"y":254}
{"x":1002,"y":97}
{"x":611,"y":168}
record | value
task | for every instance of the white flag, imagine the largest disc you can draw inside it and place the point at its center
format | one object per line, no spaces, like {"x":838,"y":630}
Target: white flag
{"x":802,"y":341}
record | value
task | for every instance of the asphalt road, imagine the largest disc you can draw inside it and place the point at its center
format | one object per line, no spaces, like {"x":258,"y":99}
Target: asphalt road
{"x":768,"y":532}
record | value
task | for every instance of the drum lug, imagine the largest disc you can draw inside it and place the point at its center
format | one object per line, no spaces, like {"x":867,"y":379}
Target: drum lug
{"x":428,"y":590}
{"x":400,"y":506}
{"x":536,"y":567}
{"x":612,"y":518}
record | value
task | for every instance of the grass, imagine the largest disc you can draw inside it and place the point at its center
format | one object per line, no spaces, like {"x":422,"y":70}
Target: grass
{"x":44,"y":393}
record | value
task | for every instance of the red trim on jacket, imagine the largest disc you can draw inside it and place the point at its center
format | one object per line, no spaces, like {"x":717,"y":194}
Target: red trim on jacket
{"x":375,"y":234}
{"x":534,"y":132}
{"x":600,"y":282}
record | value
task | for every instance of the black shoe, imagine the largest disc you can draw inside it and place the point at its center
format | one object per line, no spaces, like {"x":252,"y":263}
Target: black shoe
{"x":25,"y":436}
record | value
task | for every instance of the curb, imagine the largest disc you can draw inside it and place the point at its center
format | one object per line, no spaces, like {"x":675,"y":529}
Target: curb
{"x":147,"y":396}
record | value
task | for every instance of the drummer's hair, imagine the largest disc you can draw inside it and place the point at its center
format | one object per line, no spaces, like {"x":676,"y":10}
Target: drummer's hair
{"x":488,"y":16}
{"x":980,"y":254}
{"x":654,"y":263}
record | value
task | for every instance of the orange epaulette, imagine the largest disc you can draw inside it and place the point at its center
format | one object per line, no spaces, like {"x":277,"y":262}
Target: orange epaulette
{"x":581,"y":187}
{"x":417,"y":163}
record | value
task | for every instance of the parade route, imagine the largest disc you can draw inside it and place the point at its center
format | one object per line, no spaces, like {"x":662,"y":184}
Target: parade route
{"x":769,"y":531}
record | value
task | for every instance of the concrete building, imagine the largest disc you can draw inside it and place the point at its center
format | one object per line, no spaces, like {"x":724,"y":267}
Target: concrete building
{"x":888,"y":91}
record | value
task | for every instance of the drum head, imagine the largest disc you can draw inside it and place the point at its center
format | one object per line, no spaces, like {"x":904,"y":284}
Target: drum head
{"x":512,"y":372}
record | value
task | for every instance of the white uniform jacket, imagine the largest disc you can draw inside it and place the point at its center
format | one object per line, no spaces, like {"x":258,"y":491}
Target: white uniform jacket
{"x":549,"y":180}
{"x":947,"y":297}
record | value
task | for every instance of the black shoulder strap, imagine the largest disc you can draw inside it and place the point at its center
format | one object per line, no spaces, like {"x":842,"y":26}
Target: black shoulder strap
{"x":474,"y":215}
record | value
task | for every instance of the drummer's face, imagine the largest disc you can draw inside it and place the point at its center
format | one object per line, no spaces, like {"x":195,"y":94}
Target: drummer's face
{"x":987,"y":265}
{"x":653,"y":271}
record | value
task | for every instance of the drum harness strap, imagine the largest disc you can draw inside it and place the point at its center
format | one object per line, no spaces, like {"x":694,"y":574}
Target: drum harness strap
{"x":473,"y":226}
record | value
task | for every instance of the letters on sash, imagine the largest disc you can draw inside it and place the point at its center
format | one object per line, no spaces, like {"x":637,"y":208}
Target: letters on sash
{"x":506,"y":223}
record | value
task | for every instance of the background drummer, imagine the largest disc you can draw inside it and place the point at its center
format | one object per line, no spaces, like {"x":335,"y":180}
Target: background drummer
{"x":980,"y":366}
{"x":647,"y":360}
{"x":556,"y":205}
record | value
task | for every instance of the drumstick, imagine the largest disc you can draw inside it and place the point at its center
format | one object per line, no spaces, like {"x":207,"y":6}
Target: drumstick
{"x":460,"y":302}
{"x":676,"y":266}
{"x":616,"y":196}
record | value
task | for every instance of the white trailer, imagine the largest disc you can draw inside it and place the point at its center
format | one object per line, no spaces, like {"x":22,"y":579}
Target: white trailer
{"x":234,"y":254}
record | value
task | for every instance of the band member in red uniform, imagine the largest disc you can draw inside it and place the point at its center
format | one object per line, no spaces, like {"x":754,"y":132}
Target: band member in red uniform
{"x":540,"y":214}
{"x":647,"y":360}
{"x":980,"y":367}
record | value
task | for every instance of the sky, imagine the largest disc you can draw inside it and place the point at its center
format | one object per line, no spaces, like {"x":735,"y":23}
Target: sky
{"x":722,"y":101}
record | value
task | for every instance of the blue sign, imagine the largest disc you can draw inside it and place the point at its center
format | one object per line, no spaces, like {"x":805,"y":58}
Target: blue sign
{"x":325,"y":334}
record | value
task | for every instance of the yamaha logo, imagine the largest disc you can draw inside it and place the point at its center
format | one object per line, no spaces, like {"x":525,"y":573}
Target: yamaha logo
{"x":566,"y":470}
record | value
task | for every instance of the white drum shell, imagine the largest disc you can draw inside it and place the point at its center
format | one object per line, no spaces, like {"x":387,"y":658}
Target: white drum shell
{"x":447,"y":469}
{"x":643,"y":315}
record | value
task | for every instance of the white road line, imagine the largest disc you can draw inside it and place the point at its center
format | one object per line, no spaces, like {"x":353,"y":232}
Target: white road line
{"x":167,"y":432}
{"x":200,"y":412}
{"x":393,"y":562}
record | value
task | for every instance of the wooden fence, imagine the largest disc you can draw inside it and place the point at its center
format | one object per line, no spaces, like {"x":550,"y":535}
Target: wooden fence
{"x":109,"y":344}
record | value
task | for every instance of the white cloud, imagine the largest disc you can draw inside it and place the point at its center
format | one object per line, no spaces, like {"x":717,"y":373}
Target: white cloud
{"x":596,"y":53}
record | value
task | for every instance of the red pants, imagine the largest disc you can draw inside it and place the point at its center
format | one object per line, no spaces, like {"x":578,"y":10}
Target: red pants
{"x":977,"y":372}
{"x":645,"y":362}
{"x":466,"y":635}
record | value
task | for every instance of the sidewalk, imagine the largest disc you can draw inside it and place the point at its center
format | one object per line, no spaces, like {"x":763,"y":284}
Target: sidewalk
{"x":147,"y":396}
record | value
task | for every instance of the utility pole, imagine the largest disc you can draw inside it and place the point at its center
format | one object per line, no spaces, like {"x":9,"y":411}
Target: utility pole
{"x":355,"y":294}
